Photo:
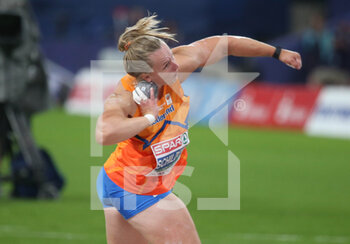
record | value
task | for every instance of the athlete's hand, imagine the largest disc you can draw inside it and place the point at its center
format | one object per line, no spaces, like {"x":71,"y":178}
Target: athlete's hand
{"x":138,"y":95}
{"x":149,"y":106}
{"x":290,"y":58}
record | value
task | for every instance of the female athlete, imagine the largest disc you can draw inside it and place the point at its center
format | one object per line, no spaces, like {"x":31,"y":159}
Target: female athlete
{"x":151,"y":132}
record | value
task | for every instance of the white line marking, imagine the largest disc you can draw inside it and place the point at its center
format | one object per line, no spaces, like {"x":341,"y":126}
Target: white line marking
{"x":291,"y":238}
{"x":22,"y":231}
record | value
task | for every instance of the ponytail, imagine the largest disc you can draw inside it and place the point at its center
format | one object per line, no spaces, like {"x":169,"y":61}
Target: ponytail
{"x":147,"y":26}
{"x":139,"y":41}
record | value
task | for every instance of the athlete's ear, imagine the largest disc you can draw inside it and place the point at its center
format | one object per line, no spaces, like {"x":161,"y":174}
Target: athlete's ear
{"x":146,"y":77}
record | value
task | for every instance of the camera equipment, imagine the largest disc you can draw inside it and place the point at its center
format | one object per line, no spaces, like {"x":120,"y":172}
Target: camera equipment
{"x":23,"y":89}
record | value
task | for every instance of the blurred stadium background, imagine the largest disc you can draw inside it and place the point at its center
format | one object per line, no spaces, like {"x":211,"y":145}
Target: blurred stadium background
{"x":291,"y":135}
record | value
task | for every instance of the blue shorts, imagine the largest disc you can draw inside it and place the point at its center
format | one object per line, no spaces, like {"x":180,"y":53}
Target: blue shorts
{"x":128,"y":204}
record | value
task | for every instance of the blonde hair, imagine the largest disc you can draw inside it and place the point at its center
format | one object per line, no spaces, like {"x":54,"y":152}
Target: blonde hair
{"x":139,"y":41}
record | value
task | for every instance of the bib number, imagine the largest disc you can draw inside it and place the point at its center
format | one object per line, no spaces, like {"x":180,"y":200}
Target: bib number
{"x":168,"y":153}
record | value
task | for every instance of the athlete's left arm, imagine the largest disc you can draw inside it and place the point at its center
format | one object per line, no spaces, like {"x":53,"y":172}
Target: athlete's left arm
{"x":212,"y":49}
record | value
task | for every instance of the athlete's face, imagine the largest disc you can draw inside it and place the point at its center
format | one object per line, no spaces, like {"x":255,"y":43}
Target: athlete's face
{"x":164,"y":66}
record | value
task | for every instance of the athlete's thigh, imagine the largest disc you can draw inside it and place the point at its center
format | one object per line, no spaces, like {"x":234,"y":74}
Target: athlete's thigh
{"x":119,"y":231}
{"x":168,"y":222}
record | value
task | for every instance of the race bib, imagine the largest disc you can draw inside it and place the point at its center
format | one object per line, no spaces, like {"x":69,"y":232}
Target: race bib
{"x":167,"y":153}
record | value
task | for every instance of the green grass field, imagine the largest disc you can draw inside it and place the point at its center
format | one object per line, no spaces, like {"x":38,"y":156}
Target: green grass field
{"x":294,"y":188}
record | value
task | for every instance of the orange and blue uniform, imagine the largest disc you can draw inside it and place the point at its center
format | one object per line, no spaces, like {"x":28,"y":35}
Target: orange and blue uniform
{"x":150,"y":162}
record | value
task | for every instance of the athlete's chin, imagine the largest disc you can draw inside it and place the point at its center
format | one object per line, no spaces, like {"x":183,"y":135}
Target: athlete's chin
{"x":172,"y":80}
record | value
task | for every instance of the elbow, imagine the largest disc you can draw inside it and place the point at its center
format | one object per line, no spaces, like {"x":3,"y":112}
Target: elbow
{"x":100,"y":138}
{"x":104,"y":138}
{"x":104,"y":135}
{"x":99,"y":133}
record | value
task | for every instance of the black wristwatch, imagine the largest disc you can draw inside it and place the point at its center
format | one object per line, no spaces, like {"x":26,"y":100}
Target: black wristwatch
{"x":277,"y":53}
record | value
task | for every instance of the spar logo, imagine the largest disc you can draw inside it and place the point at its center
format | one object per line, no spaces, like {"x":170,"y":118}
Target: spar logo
{"x":168,"y":153}
{"x":171,"y":145}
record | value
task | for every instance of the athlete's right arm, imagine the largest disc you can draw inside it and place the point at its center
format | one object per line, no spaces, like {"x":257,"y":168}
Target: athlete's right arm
{"x":114,"y":125}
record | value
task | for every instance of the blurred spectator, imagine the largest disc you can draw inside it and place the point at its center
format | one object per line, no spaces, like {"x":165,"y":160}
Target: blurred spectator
{"x":62,"y":23}
{"x":342,"y":45}
{"x":124,"y":16}
{"x":135,"y":14}
{"x":120,"y":19}
{"x":325,"y":53}
{"x":317,"y":44}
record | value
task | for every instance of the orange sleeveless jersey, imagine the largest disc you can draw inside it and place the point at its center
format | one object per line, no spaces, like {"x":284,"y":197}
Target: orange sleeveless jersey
{"x":152,"y":161}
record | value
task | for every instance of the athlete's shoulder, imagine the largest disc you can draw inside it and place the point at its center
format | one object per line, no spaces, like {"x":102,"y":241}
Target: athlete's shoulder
{"x":183,"y":50}
{"x":128,"y":82}
{"x":121,"y":99}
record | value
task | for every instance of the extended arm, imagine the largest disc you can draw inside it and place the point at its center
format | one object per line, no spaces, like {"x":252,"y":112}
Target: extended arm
{"x":212,"y":49}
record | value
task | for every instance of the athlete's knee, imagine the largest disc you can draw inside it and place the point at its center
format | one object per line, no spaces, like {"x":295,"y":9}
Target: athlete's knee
{"x":177,"y":232}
